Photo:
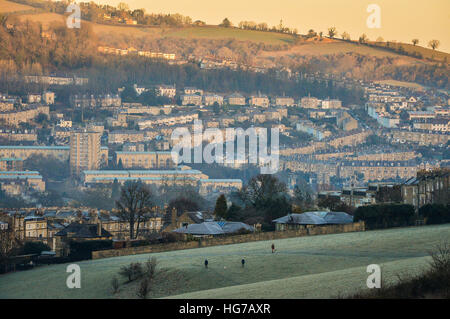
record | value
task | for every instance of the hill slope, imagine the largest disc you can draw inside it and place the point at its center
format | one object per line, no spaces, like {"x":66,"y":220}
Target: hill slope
{"x":323,"y":47}
{"x":267,"y":50}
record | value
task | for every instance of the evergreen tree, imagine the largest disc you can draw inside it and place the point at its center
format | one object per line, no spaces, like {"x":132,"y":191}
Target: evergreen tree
{"x":120,"y":164}
{"x":221,"y":207}
{"x":115,"y":192}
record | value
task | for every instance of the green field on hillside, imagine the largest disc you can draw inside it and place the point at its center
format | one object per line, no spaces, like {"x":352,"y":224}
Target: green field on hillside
{"x":301,"y":267}
{"x":215,"y":32}
{"x":419,"y":49}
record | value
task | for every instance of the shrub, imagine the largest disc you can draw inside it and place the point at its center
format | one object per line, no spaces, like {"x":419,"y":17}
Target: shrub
{"x":115,"y":285}
{"x":83,"y":250}
{"x":383,"y":216}
{"x":441,"y":258}
{"x":434,"y":282}
{"x":144,"y":289}
{"x":435,"y":213}
{"x":132,"y":272}
{"x":34,"y":247}
{"x":170,"y":237}
{"x":150,"y":267}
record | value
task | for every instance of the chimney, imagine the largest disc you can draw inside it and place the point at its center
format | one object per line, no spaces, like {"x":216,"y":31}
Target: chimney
{"x":174,"y":216}
{"x":99,"y":229}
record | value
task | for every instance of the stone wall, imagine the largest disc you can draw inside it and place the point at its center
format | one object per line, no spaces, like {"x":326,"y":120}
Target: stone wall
{"x":217,"y":241}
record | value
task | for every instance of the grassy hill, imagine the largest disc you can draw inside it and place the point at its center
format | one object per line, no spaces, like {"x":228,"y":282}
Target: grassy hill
{"x":8,"y":7}
{"x":375,"y":61}
{"x":316,"y":266}
{"x":426,"y":53}
{"x":323,"y":47}
{"x":205,"y":32}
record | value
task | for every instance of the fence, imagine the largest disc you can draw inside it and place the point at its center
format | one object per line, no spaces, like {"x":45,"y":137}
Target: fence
{"x":319,"y":230}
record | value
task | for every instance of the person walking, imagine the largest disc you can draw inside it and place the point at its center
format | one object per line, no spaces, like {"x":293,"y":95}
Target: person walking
{"x":243,"y":263}
{"x":206,"y":263}
{"x":273,"y":248}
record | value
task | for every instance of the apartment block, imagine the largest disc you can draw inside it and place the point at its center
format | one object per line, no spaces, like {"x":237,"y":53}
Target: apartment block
{"x":284,"y":101}
{"x":145,"y":160}
{"x":191,"y":99}
{"x":84,"y":151}
{"x":259,"y":100}
{"x":22,"y":115}
{"x":310,"y":102}
{"x":235,"y":99}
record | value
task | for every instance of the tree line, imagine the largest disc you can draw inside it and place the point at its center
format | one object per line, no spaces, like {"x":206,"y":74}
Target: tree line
{"x":100,"y":13}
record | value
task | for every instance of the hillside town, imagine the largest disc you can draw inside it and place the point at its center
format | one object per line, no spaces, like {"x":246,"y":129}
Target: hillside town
{"x":344,"y":152}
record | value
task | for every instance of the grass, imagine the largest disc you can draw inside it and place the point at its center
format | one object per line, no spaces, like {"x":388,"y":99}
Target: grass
{"x":9,"y":7}
{"x":331,"y":47}
{"x":215,"y":32}
{"x":432,"y":282}
{"x":206,"y":32}
{"x":324,"y":47}
{"x":301,"y":267}
{"x":324,"y":285}
{"x":426,"y":53}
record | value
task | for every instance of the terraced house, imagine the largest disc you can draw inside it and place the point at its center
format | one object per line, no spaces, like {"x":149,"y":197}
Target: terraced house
{"x":428,"y":187}
{"x":236,"y":99}
{"x":191,"y":99}
{"x":284,"y":101}
{"x":378,"y":170}
{"x":146,"y":160}
{"x":419,"y":137}
{"x":24,"y":152}
{"x":23,"y":115}
{"x":259,"y":100}
{"x":210,"y":99}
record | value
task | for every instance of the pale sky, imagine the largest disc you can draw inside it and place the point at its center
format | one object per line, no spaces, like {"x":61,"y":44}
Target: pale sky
{"x":401,"y":20}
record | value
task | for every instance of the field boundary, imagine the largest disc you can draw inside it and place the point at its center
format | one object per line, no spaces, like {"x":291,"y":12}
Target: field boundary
{"x":238,"y":239}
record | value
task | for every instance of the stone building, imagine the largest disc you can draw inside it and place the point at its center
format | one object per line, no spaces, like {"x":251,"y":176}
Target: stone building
{"x":431,"y":187}
{"x":85,"y":151}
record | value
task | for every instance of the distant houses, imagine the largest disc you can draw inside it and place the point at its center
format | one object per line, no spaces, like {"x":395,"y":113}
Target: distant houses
{"x":131,"y":51}
{"x":316,"y":218}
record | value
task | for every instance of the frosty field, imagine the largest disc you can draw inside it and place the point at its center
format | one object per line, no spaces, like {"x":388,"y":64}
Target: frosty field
{"x":305,"y":267}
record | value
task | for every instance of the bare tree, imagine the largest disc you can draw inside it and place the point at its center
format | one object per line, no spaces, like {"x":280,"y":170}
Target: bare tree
{"x":415,"y":41}
{"x":135,"y":200}
{"x":9,"y":246}
{"x":434,"y":44}
{"x":332,"y":32}
{"x":345,"y":36}
{"x":115,"y":285}
{"x":123,"y":6}
{"x":144,"y":288}
{"x":363,"y":38}
{"x":261,"y":189}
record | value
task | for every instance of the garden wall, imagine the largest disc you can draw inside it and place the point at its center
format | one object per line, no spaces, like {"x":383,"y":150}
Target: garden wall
{"x":319,"y":230}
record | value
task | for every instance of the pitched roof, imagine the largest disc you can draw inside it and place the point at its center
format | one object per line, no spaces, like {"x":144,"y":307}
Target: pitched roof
{"x":338,"y":218}
{"x":316,"y":218}
{"x":233,"y":227}
{"x":308,"y":218}
{"x":206,"y":228}
{"x":199,"y":217}
{"x":83,"y":231}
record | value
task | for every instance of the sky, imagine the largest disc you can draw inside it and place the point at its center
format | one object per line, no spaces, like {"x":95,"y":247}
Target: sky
{"x":400,"y":20}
